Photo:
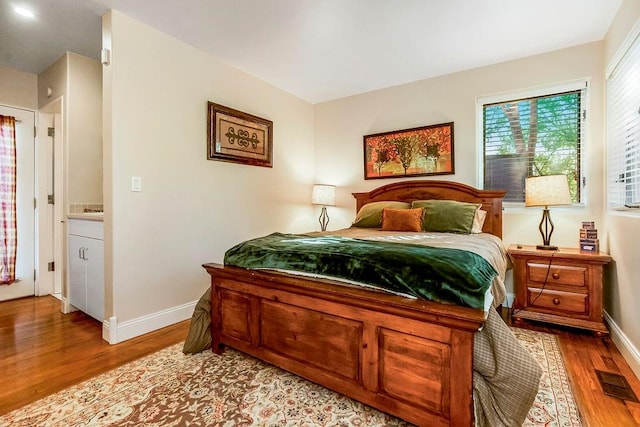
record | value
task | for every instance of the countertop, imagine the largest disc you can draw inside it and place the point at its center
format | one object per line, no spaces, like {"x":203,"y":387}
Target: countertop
{"x":90,"y":216}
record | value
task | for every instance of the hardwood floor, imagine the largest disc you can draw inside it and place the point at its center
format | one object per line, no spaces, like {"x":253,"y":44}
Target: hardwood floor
{"x":43,"y":351}
{"x":583,"y":354}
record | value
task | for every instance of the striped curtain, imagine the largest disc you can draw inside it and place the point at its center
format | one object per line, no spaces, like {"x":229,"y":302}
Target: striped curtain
{"x":8,"y":230}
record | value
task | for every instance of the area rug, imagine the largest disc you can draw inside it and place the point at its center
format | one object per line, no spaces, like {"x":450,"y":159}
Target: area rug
{"x":554,"y":404}
{"x":168,"y":388}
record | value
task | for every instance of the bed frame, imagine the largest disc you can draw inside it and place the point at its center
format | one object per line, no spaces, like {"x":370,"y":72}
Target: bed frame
{"x":410,"y":358}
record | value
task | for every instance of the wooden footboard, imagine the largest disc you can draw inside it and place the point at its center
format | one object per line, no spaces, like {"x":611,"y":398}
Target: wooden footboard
{"x":410,"y":358}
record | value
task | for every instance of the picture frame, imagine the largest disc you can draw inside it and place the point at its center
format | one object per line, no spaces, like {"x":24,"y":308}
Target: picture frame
{"x":420,"y":151}
{"x":238,"y":137}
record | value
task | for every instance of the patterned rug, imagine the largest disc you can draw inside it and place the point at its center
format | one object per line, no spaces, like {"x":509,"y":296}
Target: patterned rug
{"x":554,"y":404}
{"x":168,"y":388}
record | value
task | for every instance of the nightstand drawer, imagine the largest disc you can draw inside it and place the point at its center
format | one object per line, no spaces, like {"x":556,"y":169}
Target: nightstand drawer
{"x":557,"y":274}
{"x":558,"y":300}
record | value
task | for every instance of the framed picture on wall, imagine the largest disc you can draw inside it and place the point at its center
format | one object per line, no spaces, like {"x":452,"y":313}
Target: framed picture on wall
{"x":422,"y":151}
{"x":234,"y":136}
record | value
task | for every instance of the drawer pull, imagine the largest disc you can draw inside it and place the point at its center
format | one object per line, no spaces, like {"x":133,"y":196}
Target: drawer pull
{"x":556,"y":301}
{"x":556,"y":276}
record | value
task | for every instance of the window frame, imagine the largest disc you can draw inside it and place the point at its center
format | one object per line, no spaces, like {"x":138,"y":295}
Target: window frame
{"x":582,"y":84}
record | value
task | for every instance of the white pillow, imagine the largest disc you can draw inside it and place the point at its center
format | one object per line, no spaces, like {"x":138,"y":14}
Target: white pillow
{"x":478,"y":221}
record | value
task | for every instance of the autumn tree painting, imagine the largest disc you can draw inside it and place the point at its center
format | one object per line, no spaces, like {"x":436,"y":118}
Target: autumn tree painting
{"x":407,"y":147}
{"x":426,"y":150}
{"x":382,"y":151}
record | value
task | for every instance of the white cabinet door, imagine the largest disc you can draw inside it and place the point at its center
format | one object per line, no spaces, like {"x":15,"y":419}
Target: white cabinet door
{"x":94,"y":255}
{"x":86,"y":267}
{"x":77,"y":273}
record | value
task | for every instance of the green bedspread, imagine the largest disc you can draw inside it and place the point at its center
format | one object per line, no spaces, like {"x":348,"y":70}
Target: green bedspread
{"x":438,"y":274}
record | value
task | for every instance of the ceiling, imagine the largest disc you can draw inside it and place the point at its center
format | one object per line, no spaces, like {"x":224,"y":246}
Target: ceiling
{"x":318,"y":50}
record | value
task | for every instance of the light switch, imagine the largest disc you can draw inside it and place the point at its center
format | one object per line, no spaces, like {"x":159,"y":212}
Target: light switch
{"x":136,"y":183}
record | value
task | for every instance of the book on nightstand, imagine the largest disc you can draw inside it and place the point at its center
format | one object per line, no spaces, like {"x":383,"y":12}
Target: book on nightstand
{"x":589,"y":237}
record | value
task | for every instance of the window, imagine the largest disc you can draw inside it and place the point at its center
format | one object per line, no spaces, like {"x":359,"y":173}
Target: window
{"x":533,"y":134}
{"x":623,"y":126}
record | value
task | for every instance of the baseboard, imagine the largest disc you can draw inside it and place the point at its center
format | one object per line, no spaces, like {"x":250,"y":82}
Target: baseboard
{"x":65,"y":306}
{"x":114,"y":332}
{"x":109,"y":329}
{"x":624,"y":345}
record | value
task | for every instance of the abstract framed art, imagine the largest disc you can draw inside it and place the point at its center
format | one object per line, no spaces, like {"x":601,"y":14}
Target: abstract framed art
{"x":421,"y":151}
{"x":234,"y":136}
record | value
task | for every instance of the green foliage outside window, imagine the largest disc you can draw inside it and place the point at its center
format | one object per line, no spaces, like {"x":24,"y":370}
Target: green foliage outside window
{"x":532,"y":137}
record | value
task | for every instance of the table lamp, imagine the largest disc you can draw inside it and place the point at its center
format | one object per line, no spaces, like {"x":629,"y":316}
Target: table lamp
{"x":324,"y":195}
{"x":548,"y":190}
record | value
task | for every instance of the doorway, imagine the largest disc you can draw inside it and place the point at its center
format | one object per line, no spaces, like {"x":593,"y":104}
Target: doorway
{"x":25,"y":201}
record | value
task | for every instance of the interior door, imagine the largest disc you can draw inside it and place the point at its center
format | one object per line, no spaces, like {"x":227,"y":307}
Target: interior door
{"x":25,"y":187}
{"x":48,"y":219}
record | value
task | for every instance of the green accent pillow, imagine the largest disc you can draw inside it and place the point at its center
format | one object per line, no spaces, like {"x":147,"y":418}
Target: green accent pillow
{"x":447,"y":216}
{"x":370,"y":215}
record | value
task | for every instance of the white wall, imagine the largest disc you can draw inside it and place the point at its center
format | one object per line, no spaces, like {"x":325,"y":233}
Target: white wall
{"x":84,"y":133}
{"x":77,"y":81}
{"x":622,"y":296}
{"x":340,"y":125}
{"x":18,"y":89}
{"x":55,"y":78}
{"x":190,"y":209}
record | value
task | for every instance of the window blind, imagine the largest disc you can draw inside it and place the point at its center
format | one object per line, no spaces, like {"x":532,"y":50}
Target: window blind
{"x":623,"y":130}
{"x":533,"y":136}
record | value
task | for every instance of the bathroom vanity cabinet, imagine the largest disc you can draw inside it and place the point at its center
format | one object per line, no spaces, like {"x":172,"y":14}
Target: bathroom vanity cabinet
{"x":86,"y":266}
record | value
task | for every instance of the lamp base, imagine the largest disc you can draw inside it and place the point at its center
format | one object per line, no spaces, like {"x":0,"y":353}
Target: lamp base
{"x":546,"y":230}
{"x":324,"y":219}
{"x":547,"y":247}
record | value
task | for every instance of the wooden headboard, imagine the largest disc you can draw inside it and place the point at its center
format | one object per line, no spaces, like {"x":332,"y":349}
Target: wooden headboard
{"x":407,"y":191}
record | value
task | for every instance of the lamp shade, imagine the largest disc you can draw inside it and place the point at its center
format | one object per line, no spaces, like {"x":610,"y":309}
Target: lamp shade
{"x":548,"y":190}
{"x":323,"y":195}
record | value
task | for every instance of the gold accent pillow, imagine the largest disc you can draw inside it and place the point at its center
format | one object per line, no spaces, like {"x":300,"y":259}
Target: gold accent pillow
{"x":402,"y":219}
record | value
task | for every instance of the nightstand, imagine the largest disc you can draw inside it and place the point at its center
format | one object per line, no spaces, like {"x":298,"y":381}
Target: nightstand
{"x":563,"y":287}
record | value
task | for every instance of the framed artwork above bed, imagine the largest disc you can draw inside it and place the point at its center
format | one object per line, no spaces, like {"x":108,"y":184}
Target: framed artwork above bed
{"x":421,"y":151}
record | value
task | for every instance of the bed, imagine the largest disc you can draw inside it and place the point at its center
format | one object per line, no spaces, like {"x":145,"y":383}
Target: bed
{"x":410,"y":357}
